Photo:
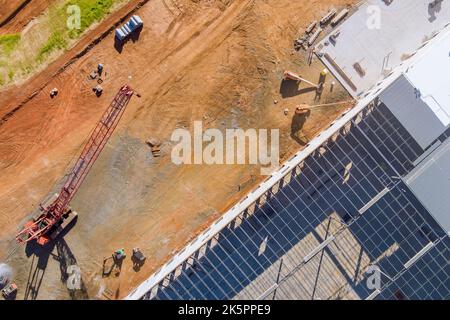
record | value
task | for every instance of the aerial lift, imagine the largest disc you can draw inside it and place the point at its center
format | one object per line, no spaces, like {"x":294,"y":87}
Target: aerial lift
{"x":57,"y":214}
{"x":289,"y":75}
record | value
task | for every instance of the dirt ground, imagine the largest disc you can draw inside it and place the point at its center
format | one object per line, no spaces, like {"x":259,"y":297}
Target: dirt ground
{"x":217,"y":61}
{"x":16,"y":14}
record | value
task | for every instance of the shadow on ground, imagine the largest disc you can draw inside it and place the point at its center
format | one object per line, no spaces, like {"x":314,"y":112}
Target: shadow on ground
{"x":290,"y":88}
{"x":134,"y":37}
{"x":298,"y":121}
{"x":39,"y":261}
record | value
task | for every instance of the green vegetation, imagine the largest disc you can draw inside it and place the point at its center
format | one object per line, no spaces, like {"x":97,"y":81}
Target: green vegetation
{"x":8,"y":42}
{"x":91,"y":11}
{"x":20,"y":54}
{"x":55,"y":42}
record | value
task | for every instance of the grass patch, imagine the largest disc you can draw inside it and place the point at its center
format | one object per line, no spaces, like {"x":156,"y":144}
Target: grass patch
{"x":21,"y":55}
{"x":91,"y":11}
{"x":56,"y":41}
{"x":8,"y":42}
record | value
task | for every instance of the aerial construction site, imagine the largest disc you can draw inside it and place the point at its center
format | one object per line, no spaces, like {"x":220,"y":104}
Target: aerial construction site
{"x":96,"y":94}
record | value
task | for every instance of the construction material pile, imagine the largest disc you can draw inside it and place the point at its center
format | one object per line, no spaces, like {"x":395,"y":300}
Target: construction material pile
{"x":314,"y":29}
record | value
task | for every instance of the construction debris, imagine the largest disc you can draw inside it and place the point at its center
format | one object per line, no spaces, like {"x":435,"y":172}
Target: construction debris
{"x":138,"y":256}
{"x":98,"y":90}
{"x":341,"y":15}
{"x":156,"y":152}
{"x":308,"y":38}
{"x":314,"y":37}
{"x":334,"y":36}
{"x":311,"y":27}
{"x":155,"y":145}
{"x":53,"y":93}
{"x":10,"y":291}
{"x":298,"y":44}
{"x":93,"y":75}
{"x":361,"y":72}
{"x":330,"y":15}
{"x":97,"y":73}
{"x":153,"y":142}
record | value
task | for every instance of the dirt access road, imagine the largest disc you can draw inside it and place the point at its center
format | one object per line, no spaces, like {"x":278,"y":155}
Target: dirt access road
{"x":216,"y":61}
{"x":16,"y":14}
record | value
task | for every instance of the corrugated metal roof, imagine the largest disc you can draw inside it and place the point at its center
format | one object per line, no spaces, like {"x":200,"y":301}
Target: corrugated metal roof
{"x":430,"y":181}
{"x":414,"y":114}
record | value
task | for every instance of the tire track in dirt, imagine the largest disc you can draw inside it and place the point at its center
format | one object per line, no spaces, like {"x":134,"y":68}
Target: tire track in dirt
{"x":200,"y":43}
{"x":191,"y":51}
{"x":86,"y":44}
{"x":14,"y":13}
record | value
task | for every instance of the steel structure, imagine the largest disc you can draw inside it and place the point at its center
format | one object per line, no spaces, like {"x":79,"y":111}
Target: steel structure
{"x":319,"y":231}
{"x":53,"y":214}
{"x":332,"y":217}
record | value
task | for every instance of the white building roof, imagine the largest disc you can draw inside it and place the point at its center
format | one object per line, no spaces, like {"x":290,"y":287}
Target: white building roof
{"x":419,"y":96}
{"x":404,"y":26}
{"x":430,"y":181}
{"x":431,"y":76}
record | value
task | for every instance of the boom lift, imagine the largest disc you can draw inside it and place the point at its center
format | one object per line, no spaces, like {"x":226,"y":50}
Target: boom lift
{"x":53,"y":217}
{"x":289,"y":75}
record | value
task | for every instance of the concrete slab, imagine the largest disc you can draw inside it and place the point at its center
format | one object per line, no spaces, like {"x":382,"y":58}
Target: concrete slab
{"x":403,"y":27}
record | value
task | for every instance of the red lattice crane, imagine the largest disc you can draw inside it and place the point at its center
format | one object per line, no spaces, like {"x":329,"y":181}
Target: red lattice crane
{"x":53,"y":215}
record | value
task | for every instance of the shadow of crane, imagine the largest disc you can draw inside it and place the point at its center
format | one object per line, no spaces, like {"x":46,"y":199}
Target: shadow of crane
{"x":35,"y":276}
{"x":39,"y":261}
{"x":66,"y":259}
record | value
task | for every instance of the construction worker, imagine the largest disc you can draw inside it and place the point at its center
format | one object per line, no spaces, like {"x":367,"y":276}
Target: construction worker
{"x":119,"y":255}
{"x":100,"y":69}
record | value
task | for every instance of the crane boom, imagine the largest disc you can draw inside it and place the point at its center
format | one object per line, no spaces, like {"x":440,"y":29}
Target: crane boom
{"x":53,"y":214}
